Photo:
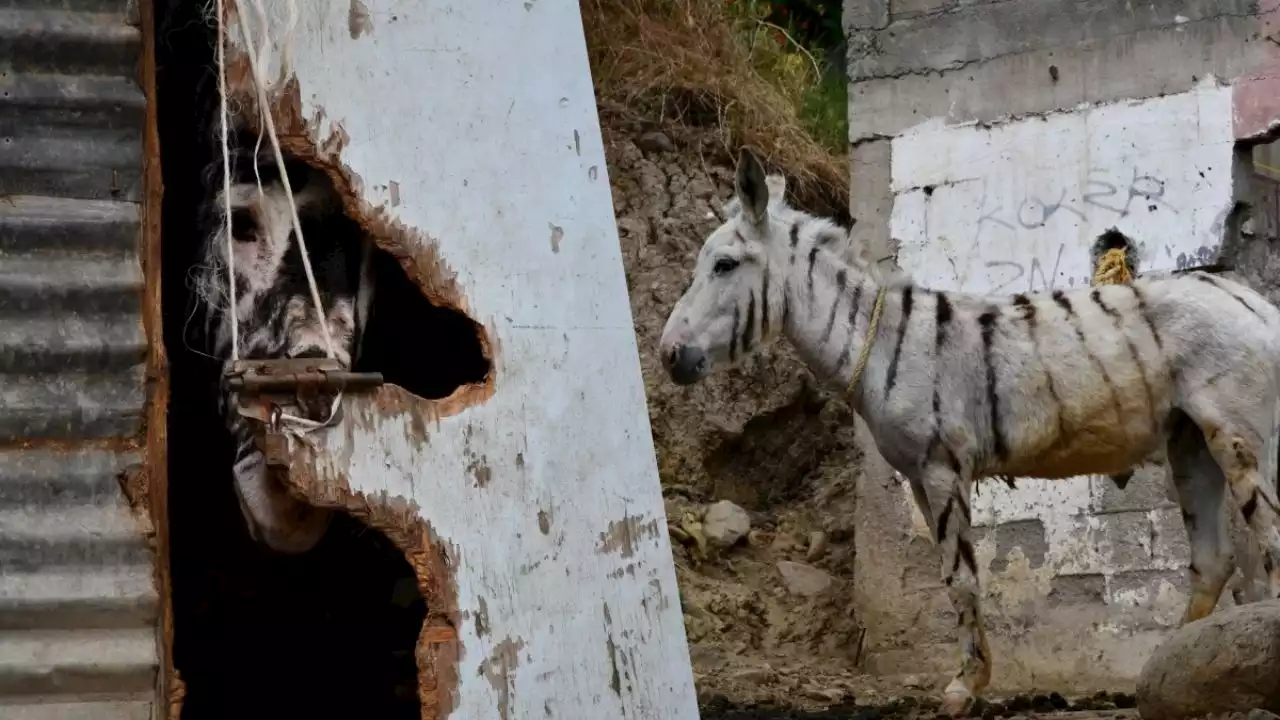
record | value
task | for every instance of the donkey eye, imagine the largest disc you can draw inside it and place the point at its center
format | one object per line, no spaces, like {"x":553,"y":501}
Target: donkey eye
{"x":724,"y":265}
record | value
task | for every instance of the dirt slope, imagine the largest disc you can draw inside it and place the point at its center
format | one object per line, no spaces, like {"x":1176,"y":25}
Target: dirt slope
{"x":761,"y":436}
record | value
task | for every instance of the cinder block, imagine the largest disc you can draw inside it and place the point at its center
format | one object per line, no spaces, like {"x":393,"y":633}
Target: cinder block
{"x":871,"y":195}
{"x":1026,"y":535}
{"x":865,"y":15}
{"x":900,"y":9}
{"x":1150,"y":591}
{"x":1148,"y":489}
{"x":1145,"y":64}
{"x":982,"y":32}
{"x":1123,"y":540}
{"x":1171,"y":548}
{"x":1078,"y":590}
{"x":1107,"y":544}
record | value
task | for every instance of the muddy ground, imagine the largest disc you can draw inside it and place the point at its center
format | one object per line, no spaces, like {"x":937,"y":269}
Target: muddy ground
{"x":761,"y":436}
{"x":1052,"y":706}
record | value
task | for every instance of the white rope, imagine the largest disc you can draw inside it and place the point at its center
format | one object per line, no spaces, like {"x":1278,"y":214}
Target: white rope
{"x":298,"y":425}
{"x":226,"y":185}
{"x":264,"y":107}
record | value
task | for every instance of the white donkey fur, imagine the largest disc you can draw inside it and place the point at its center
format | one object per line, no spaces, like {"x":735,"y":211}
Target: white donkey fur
{"x":958,"y":387}
{"x":276,"y":315}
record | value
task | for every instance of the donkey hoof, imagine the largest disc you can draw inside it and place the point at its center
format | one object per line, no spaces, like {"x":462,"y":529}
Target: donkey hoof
{"x":956,"y":702}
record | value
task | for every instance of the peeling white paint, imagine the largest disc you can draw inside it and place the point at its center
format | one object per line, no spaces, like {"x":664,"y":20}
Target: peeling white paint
{"x":475,"y":121}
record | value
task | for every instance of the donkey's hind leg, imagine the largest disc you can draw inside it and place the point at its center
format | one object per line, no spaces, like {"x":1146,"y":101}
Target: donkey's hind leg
{"x":1238,"y":436}
{"x":945,"y":495}
{"x":1201,"y":489}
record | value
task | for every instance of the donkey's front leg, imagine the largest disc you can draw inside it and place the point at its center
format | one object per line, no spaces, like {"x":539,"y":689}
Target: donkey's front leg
{"x":948,"y":495}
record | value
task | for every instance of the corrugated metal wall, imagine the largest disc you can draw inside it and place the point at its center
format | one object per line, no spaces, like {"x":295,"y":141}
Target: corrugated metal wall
{"x":78,"y":605}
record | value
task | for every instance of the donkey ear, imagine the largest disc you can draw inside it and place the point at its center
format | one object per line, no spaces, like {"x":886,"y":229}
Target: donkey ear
{"x":752,"y":188}
{"x":777,"y":189}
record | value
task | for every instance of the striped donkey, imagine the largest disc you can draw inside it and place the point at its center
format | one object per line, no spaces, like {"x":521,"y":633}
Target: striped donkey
{"x":958,"y":387}
{"x":274,"y":309}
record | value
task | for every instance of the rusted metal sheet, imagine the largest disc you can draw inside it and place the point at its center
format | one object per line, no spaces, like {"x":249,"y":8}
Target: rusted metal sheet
{"x":463,"y":135}
{"x":78,"y":601}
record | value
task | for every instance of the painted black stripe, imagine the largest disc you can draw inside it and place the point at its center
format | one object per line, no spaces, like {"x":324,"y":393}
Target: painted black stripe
{"x":813,"y":257}
{"x":749,"y":330}
{"x":1146,"y":317}
{"x":764,"y":302}
{"x":1216,"y":282}
{"x":1114,"y":314}
{"x":943,"y":317}
{"x":953,"y":462}
{"x":847,"y":351}
{"x":897,"y":348}
{"x":1106,"y":377}
{"x":733,"y":338}
{"x":1026,"y":309}
{"x":842,"y":279}
{"x":1029,"y":314}
{"x":943,"y":518}
{"x":966,"y":552}
{"x":786,"y":303}
{"x":987,"y":321}
{"x":1063,"y":302}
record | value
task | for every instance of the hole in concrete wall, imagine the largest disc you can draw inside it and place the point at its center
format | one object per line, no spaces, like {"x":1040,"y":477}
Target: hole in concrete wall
{"x":424,"y":348}
{"x":330,"y":633}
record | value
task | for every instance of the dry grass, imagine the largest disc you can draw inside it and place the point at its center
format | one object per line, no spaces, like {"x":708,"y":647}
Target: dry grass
{"x":692,"y":61}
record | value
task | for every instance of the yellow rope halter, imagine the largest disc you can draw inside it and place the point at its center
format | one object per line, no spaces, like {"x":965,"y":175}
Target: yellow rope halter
{"x":1112,"y":268}
{"x":866,"y":340}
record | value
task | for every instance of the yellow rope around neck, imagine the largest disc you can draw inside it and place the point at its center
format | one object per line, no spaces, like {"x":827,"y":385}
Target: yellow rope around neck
{"x":1112,"y":269}
{"x":866,"y":341}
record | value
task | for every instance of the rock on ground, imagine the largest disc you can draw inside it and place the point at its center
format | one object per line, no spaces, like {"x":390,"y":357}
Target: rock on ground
{"x":1226,"y":662}
{"x":804,"y":580}
{"x":725,"y":524}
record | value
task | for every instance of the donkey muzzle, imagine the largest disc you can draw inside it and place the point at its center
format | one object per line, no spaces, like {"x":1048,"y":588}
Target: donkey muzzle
{"x":686,"y":364}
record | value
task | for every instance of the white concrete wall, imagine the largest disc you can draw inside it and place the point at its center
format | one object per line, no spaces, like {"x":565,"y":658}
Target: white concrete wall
{"x":1080,"y":579}
{"x":1013,"y":207}
{"x":473,"y":124}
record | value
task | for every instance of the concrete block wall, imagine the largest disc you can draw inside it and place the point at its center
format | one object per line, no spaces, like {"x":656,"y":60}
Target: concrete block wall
{"x":991,"y":141}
